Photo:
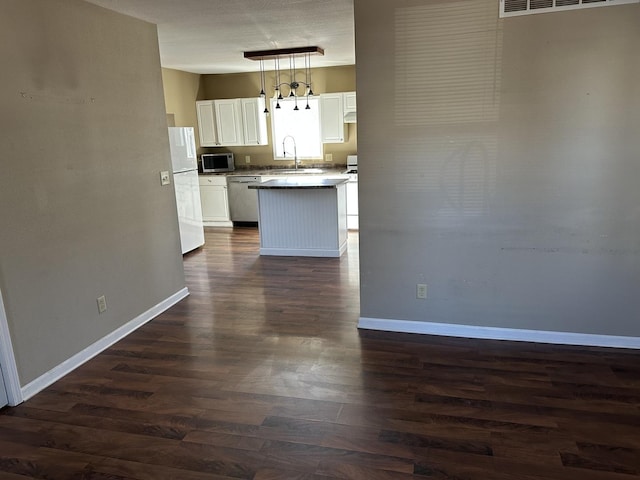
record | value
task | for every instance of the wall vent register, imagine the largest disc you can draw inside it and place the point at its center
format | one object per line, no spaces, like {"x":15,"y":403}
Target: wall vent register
{"x":510,"y":8}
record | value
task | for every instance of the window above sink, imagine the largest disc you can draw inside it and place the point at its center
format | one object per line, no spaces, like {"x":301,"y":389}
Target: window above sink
{"x":303,"y":125}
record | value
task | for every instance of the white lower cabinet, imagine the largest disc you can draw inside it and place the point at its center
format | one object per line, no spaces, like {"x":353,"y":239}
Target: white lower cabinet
{"x":352,"y":205}
{"x":215,"y":201}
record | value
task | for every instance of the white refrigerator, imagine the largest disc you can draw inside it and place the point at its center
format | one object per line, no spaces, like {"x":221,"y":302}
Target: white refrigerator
{"x":185,"y":181}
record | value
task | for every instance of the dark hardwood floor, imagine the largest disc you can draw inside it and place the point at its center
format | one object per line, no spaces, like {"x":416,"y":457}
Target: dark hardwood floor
{"x":261,"y":374}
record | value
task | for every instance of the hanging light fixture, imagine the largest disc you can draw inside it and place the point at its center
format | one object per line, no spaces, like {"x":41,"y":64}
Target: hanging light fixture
{"x":293,"y":84}
{"x":262,"y":93}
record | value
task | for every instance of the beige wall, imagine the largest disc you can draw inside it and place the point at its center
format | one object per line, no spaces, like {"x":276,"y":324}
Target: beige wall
{"x":498,"y":164}
{"x":83,"y":213}
{"x":181,"y":90}
{"x":325,"y":80}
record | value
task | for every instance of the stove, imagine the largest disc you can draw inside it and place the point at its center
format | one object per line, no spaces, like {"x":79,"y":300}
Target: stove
{"x":352,"y":165}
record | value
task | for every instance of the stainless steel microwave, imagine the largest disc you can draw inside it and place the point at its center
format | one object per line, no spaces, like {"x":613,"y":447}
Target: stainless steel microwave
{"x":217,"y":162}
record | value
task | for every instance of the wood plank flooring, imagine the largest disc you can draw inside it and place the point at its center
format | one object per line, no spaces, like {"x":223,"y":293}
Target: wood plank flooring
{"x":261,"y":374}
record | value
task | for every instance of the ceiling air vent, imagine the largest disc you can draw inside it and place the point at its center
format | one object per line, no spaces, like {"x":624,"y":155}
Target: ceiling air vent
{"x":510,"y":8}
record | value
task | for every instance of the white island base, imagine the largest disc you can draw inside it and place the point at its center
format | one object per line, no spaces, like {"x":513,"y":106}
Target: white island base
{"x":302,"y":217}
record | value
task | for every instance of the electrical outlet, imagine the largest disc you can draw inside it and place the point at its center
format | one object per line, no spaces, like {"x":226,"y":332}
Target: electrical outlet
{"x":164,"y":178}
{"x":328,"y":157}
{"x":421,"y":291}
{"x":102,"y":304}
{"x":247,"y":159}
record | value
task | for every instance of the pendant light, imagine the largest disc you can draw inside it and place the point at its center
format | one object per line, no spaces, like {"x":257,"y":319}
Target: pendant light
{"x":294,"y":84}
{"x":263,"y":95}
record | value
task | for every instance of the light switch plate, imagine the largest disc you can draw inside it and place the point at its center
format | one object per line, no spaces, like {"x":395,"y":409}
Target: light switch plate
{"x":328,"y":157}
{"x":164,"y":178}
{"x":102,"y":304}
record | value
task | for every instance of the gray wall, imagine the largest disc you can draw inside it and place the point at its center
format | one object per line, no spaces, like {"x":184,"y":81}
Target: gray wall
{"x":82,"y":211}
{"x":499,"y":164}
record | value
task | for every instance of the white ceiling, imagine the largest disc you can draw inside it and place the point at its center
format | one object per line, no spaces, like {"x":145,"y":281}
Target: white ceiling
{"x":210,"y":36}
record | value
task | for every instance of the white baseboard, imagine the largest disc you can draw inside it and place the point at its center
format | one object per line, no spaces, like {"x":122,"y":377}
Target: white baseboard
{"x":210,"y":223}
{"x":303,"y":252}
{"x":8,"y":361}
{"x":497,"y":333}
{"x":91,"y":351}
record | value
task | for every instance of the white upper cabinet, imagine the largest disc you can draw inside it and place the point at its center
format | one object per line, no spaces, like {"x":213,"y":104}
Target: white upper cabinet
{"x":332,"y":118}
{"x":254,"y":121}
{"x":207,"y":124}
{"x":349,"y":107}
{"x":232,"y":122}
{"x":229,"y":122}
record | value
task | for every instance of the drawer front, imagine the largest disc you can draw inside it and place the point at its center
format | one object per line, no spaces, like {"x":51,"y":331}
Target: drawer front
{"x":212,"y":180}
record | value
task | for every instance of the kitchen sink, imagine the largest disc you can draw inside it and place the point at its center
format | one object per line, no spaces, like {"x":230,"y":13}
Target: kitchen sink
{"x":298,"y":171}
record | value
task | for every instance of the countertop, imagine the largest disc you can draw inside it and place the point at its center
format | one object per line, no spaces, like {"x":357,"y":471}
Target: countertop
{"x":298,"y":182}
{"x":305,"y":171}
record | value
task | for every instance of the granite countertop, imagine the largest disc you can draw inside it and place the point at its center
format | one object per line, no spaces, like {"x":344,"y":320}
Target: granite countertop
{"x":298,"y":182}
{"x":305,"y":171}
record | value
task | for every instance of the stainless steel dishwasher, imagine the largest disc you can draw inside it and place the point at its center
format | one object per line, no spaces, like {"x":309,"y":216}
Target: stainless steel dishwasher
{"x":243,"y":202}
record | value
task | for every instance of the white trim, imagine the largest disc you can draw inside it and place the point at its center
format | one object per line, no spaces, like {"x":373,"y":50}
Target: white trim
{"x":211,"y":223}
{"x":498,"y":333}
{"x":8,"y":360}
{"x":580,"y":6}
{"x":91,"y":351}
{"x":304,"y":252}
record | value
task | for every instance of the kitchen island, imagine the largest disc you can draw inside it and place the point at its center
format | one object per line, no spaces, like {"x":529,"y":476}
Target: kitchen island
{"x":302,"y":216}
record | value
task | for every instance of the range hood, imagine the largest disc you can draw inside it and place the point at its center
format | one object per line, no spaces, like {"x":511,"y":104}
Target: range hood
{"x":350,"y":117}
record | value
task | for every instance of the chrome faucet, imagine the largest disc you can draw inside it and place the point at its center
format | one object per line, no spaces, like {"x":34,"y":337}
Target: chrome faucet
{"x":295,"y":150}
